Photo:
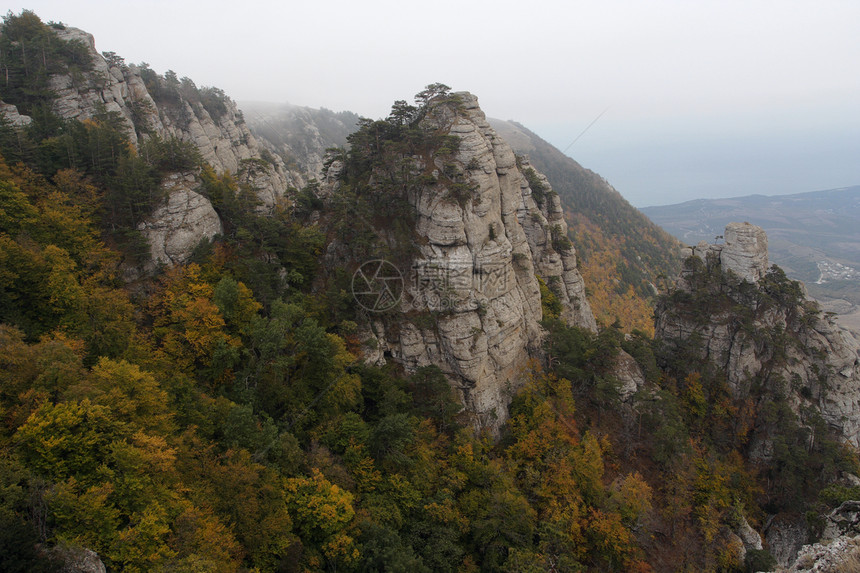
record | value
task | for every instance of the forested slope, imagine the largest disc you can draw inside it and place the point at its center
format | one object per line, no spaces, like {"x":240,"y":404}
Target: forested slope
{"x":219,"y":415}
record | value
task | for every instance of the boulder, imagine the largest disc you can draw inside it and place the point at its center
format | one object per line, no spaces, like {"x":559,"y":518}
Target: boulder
{"x":176,"y":228}
{"x":75,"y":559}
{"x":10,"y":114}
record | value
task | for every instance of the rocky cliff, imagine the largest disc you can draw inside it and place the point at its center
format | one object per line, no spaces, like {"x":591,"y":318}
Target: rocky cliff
{"x":176,"y":109}
{"x":471,"y":300}
{"x":166,"y":107}
{"x":791,"y":373}
{"x":761,"y":331}
{"x":621,"y":252}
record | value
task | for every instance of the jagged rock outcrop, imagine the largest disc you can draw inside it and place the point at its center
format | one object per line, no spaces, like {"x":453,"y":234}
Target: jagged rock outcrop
{"x":744,"y":538}
{"x":178,"y":226}
{"x":101,"y":89}
{"x":472,"y":303}
{"x":218,"y":130}
{"x":15,"y":119}
{"x":839,"y":556}
{"x":760,"y":326}
{"x":744,"y":252}
{"x":224,"y":141}
{"x":752,"y":327}
{"x":843,"y":521}
{"x":629,"y":374}
{"x":555,"y":260}
{"x":839,"y":546}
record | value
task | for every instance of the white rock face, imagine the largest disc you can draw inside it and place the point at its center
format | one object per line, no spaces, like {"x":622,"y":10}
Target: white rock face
{"x":77,"y":559}
{"x":819,"y":359}
{"x":472,"y":302}
{"x":745,"y":251}
{"x":81,"y":97}
{"x":839,"y":546}
{"x":842,"y":554}
{"x":176,"y":228}
{"x":225,"y":143}
{"x":10,"y":113}
{"x":629,"y":375}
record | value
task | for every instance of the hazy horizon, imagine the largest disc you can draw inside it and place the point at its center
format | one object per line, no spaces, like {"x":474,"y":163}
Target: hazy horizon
{"x":701,"y":100}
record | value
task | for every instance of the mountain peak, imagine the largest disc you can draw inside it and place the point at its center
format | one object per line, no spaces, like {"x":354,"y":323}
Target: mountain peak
{"x":744,"y":251}
{"x":487,"y":231}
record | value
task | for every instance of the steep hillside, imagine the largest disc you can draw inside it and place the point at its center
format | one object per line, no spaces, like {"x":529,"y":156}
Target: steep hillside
{"x":814,"y":236}
{"x":623,"y":255}
{"x":786,"y":374}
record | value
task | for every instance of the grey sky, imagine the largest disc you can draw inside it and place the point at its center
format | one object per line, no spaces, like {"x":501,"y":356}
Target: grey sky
{"x":705,"y":98}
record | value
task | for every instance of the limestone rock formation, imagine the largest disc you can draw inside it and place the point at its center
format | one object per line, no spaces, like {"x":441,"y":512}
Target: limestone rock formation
{"x":754,"y":324}
{"x":102,"y":88}
{"x":744,"y":252}
{"x":471,"y":302}
{"x":10,"y":114}
{"x":629,"y":374}
{"x":757,"y":330}
{"x":745,"y":538}
{"x":174,"y":229}
{"x":839,"y":546}
{"x":74,"y":559}
{"x":224,"y":141}
{"x":842,"y":554}
{"x":218,"y":131}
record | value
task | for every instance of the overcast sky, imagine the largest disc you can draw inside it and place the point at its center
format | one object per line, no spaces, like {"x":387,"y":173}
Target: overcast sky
{"x":702,"y":99}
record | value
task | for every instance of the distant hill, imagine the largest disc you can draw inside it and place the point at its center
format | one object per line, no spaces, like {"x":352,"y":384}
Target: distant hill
{"x":622,"y":252}
{"x":814,"y":237}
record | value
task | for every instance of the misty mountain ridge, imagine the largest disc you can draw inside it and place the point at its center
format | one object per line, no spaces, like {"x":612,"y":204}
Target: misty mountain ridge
{"x":299,"y":134}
